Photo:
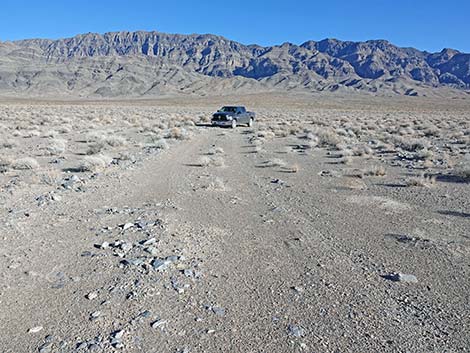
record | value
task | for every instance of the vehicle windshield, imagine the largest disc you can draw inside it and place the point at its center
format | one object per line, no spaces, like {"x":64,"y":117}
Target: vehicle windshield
{"x":228,"y":109}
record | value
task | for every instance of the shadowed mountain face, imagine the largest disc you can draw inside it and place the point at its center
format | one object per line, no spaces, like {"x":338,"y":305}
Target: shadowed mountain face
{"x":152,"y":63}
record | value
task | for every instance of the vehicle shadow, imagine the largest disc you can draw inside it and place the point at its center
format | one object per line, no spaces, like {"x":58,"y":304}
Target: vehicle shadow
{"x":205,"y":125}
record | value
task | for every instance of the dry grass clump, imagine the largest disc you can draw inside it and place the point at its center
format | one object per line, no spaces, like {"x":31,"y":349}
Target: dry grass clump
{"x":95,"y":148}
{"x":294,"y":168}
{"x":311,"y":140}
{"x":362,"y":150}
{"x":215,"y":150}
{"x":421,"y":181}
{"x":463,"y":168}
{"x":275,"y":162}
{"x":64,"y":129}
{"x":93,"y":163}
{"x":206,"y":161}
{"x":353,"y":184}
{"x":258,"y":149}
{"x":161,"y":144}
{"x":25,"y":164}
{"x":28,"y":134}
{"x":376,"y":170}
{"x":177,"y":133}
{"x":266,"y":134}
{"x":217,"y":161}
{"x":217,"y":184}
{"x":424,"y":154}
{"x":411,"y":144}
{"x":56,"y":147}
{"x":50,"y":134}
{"x":115,"y":141}
{"x":347,"y":160}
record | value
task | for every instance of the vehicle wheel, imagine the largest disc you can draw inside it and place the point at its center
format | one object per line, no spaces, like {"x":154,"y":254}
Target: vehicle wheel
{"x":234,"y":124}
{"x":250,"y":123}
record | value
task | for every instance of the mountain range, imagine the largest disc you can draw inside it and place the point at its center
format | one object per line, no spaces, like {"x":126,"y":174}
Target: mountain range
{"x":149,"y":64}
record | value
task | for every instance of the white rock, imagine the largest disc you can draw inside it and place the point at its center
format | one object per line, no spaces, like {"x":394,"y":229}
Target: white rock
{"x":126,"y":226}
{"x":92,"y":295}
{"x":35,"y":329}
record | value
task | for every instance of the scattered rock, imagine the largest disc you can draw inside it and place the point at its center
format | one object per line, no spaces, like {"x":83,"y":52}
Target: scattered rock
{"x":132,"y":262}
{"x":152,"y":250}
{"x":91,"y":295}
{"x":297,"y":289}
{"x":45,"y":348}
{"x":159,"y":264}
{"x":149,"y":242}
{"x":35,"y":329}
{"x":126,"y":226}
{"x":95,"y":315}
{"x":218,"y":310}
{"x":158,"y":323}
{"x":126,"y":247}
{"x":296,"y":331}
{"x":401,"y":277}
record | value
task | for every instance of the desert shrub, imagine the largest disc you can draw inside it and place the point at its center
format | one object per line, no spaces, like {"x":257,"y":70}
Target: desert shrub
{"x":217,"y":161}
{"x":266,"y":134}
{"x":424,"y":154}
{"x":93,"y":163}
{"x":215,"y":150}
{"x":50,"y":134}
{"x":275,"y":162}
{"x":206,"y":161}
{"x":362,"y":150}
{"x":411,"y":144}
{"x":177,"y":133}
{"x":57,"y":146}
{"x":328,"y":137}
{"x":31,"y":133}
{"x":25,"y":163}
{"x":115,"y":141}
{"x":95,"y":148}
{"x":345,"y":160}
{"x":94,"y":136}
{"x":343,"y":152}
{"x":294,"y":168}
{"x":421,"y":181}
{"x":258,"y":148}
{"x":376,"y":170}
{"x":462,"y":169}
{"x":161,"y":144}
{"x":65,"y":129}
{"x":217,"y":184}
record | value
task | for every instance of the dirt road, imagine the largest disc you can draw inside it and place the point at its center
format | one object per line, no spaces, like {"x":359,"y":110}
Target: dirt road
{"x":179,"y":254}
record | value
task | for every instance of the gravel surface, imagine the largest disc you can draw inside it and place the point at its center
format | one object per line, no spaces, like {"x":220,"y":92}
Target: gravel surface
{"x":177,"y":256}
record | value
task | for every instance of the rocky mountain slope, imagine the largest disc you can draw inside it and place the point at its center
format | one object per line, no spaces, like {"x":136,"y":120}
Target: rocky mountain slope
{"x":153,"y":64}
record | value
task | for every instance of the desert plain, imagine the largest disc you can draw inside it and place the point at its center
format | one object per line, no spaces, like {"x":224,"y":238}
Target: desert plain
{"x":335,"y":224}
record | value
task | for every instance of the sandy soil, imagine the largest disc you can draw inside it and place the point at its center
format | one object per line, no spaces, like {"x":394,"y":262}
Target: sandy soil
{"x":334,"y":225}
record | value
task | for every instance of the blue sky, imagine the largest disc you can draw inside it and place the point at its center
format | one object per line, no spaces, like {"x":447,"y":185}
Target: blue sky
{"x":428,"y":25}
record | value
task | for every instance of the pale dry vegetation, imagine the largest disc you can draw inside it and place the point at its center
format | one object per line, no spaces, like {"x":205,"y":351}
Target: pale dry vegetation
{"x":435,"y":141}
{"x":57,"y":139}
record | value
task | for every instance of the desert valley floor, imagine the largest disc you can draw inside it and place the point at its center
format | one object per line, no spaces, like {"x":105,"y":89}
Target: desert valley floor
{"x":333,"y":225}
